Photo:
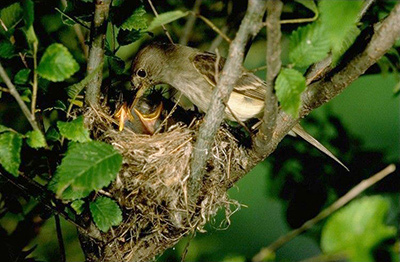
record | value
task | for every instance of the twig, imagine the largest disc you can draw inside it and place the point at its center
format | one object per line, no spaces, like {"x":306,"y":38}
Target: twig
{"x":330,"y":86}
{"x":96,"y":50}
{"x":214,"y":27}
{"x":13,"y":91}
{"x":72,"y":19}
{"x":60,"y":238}
{"x":251,"y":24}
{"x":264,"y":135}
{"x":187,"y":30}
{"x":5,"y":90}
{"x":3,"y":25}
{"x":35,"y":80}
{"x":218,"y":39}
{"x":162,"y":25}
{"x":355,"y":191}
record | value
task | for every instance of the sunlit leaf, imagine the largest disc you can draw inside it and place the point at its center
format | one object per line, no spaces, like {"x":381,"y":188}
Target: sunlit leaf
{"x":57,"y":63}
{"x":22,"y":76}
{"x":86,"y":167}
{"x":136,"y":21}
{"x":289,"y":85}
{"x":358,"y":228}
{"x":35,"y":139}
{"x":74,"y":90}
{"x":10,"y":148}
{"x":106,"y":213}
{"x":166,"y":18}
{"x":78,"y":206}
{"x":308,"y":45}
{"x":74,"y":130}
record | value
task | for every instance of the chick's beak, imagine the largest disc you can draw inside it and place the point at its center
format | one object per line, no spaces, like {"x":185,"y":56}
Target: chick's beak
{"x":122,"y":115}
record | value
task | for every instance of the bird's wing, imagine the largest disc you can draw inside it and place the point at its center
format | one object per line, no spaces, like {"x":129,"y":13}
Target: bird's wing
{"x":248,"y":84}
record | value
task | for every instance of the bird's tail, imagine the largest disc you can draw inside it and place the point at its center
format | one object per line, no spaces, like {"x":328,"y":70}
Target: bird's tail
{"x":298,"y":130}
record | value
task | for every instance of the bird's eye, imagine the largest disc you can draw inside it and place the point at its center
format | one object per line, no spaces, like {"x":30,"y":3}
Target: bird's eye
{"x":141,"y":73}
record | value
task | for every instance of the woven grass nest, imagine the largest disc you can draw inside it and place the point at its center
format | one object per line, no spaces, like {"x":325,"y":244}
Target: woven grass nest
{"x":152,"y":185}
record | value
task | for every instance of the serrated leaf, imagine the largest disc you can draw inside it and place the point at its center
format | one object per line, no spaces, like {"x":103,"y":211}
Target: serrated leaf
{"x":308,"y":45}
{"x":357,"y":229}
{"x":4,"y":129}
{"x":339,"y":50}
{"x":338,"y":18}
{"x":57,"y":63}
{"x":310,"y":4}
{"x":106,"y":213}
{"x":11,"y":15}
{"x":136,"y":21}
{"x":10,"y":149}
{"x":289,"y":85}
{"x":22,"y":76}
{"x":35,"y":139}
{"x":166,"y":18}
{"x":78,"y":206}
{"x":74,"y":130}
{"x":86,"y":167}
{"x":74,"y":90}
{"x":6,"y":49}
{"x":126,"y":37}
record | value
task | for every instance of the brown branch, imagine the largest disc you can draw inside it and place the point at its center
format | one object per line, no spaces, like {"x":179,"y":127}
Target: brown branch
{"x":274,"y":10}
{"x":251,"y":24}
{"x":96,"y":50}
{"x":13,"y":91}
{"x":187,"y":30}
{"x":330,"y":86}
{"x":355,"y":191}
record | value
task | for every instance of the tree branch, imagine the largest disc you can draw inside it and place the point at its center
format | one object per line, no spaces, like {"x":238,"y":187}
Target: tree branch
{"x":13,"y":91}
{"x":330,"y":86}
{"x":274,"y":9}
{"x":162,"y":25}
{"x":187,"y":30}
{"x":354,"y":192}
{"x":251,"y":24}
{"x":96,"y":51}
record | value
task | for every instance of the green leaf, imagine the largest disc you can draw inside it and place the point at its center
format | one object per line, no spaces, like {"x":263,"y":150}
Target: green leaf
{"x":52,"y":134}
{"x":6,"y":49}
{"x":338,"y":19}
{"x":57,"y":63}
{"x":86,"y":167}
{"x":358,"y":228}
{"x":29,"y":11}
{"x":310,"y":4}
{"x":74,"y":90}
{"x":116,"y":64}
{"x":4,"y":129}
{"x":289,"y":85}
{"x":126,"y":37}
{"x":74,"y":130}
{"x":78,"y":206}
{"x":166,"y":18}
{"x":22,"y":76}
{"x":308,"y":44}
{"x":339,"y":50}
{"x":136,"y":21}
{"x":35,"y":139}
{"x":10,"y":148}
{"x":11,"y":15}
{"x":106,"y":213}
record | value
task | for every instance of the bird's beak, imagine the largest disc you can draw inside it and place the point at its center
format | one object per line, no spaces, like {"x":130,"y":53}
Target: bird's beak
{"x":139,"y":94}
{"x":122,"y":115}
{"x":149,"y":121}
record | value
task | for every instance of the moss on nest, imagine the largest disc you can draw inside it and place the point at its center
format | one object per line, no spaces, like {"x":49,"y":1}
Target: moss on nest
{"x":152,"y":185}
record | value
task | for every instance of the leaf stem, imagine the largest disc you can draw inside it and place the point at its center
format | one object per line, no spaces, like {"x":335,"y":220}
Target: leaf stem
{"x":35,"y":80}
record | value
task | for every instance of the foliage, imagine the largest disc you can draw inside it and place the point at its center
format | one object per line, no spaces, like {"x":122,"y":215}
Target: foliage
{"x":10,"y":147}
{"x":106,"y":213}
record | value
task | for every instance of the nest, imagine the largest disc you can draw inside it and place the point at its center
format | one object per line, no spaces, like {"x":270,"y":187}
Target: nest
{"x":152,"y":185}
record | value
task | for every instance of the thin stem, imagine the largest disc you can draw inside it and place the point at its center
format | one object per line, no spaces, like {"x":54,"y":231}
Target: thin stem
{"x":354,"y":192}
{"x":13,"y":91}
{"x":35,"y":80}
{"x":214,"y":27}
{"x":60,"y":238}
{"x":162,"y":25}
{"x":187,"y":30}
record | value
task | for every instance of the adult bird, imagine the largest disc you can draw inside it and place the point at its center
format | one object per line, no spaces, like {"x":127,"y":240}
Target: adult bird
{"x":194,"y":74}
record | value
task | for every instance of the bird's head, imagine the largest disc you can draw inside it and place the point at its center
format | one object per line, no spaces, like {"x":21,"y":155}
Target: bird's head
{"x":149,"y":66}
